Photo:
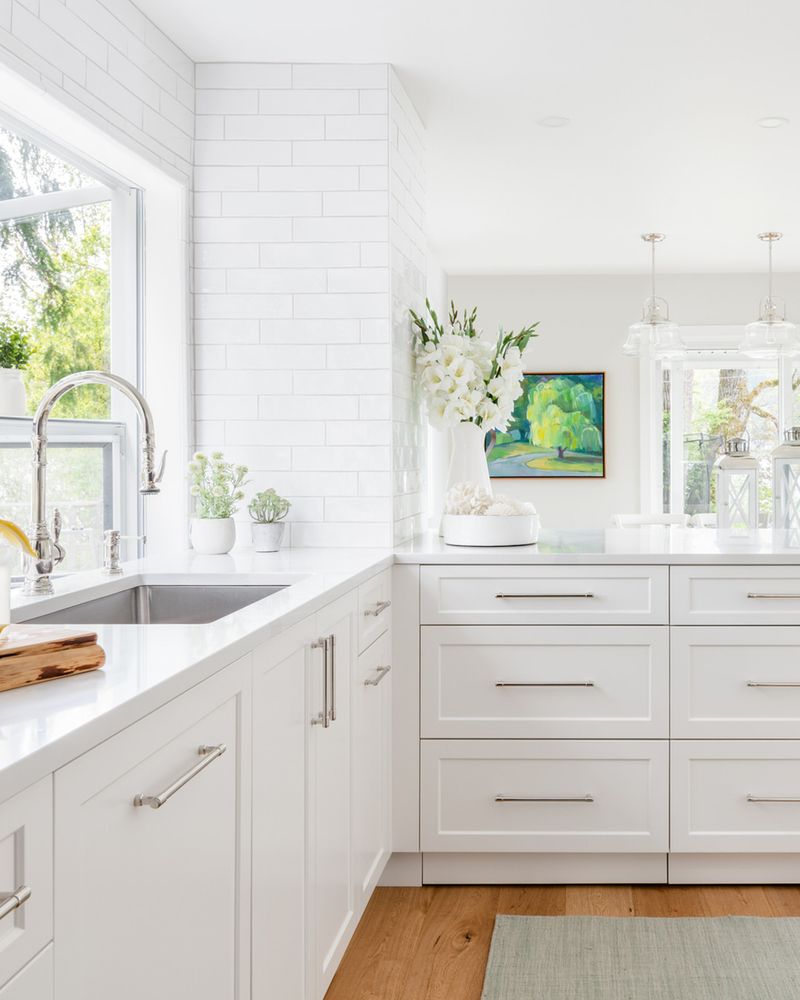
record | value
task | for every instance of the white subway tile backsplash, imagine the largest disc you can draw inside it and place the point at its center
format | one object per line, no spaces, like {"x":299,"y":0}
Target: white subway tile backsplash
{"x":226,"y":255}
{"x":227,"y":102}
{"x":364,"y":510}
{"x":352,"y":383}
{"x":356,"y":126}
{"x":274,"y":127}
{"x":316,"y":484}
{"x":308,"y":102}
{"x":341,"y":230}
{"x":374,"y":255}
{"x":317,"y":407}
{"x":373,"y":102}
{"x":74,"y":30}
{"x":242,"y":306}
{"x":358,"y":432}
{"x":208,"y":357}
{"x":226,"y":178}
{"x":308,"y":179}
{"x":221,"y":381}
{"x":356,"y":356}
{"x":207,"y":204}
{"x":358,"y":279}
{"x":219,"y":152}
{"x":242,"y":76}
{"x":373,"y":178}
{"x":310,"y":255}
{"x":227,"y":408}
{"x":208,"y":279}
{"x":375,"y":484}
{"x":226,"y":331}
{"x":341,"y":459}
{"x":282,"y":432}
{"x":209,"y":127}
{"x":340,"y":535}
{"x":310,"y":331}
{"x":48,"y":44}
{"x":354,"y":203}
{"x":344,"y":306}
{"x":277,"y":280}
{"x":355,"y":152}
{"x":271,"y":204}
{"x":242,"y":230}
{"x":336,"y":76}
{"x":304,"y":358}
{"x":130,"y":76}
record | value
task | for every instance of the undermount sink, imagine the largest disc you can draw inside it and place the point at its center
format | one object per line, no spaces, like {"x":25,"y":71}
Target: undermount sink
{"x":161,"y":604}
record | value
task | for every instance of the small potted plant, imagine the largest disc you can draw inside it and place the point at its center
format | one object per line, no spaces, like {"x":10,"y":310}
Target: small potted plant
{"x":216,"y":486}
{"x":268,"y":510}
{"x":15,"y":353}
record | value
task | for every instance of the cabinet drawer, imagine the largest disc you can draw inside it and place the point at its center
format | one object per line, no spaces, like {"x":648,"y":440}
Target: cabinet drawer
{"x":26,"y":863}
{"x":531,"y":595}
{"x":544,"y":795}
{"x":735,"y":682}
{"x":374,"y":616}
{"x":735,"y":595}
{"x":735,"y":795}
{"x":34,"y":982}
{"x":531,"y":682}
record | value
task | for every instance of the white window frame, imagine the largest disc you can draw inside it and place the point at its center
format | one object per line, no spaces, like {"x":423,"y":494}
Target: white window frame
{"x":126,"y":336}
{"x":707,"y":347}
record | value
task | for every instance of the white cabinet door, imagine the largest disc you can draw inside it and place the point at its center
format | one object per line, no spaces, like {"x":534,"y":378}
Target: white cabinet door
{"x":34,"y":982}
{"x":735,"y":683}
{"x":331,"y":886}
{"x":543,"y":682}
{"x":372,"y":767}
{"x":147,"y":899}
{"x":545,"y":795}
{"x":735,"y":595}
{"x":735,"y":795}
{"x":279,"y":815}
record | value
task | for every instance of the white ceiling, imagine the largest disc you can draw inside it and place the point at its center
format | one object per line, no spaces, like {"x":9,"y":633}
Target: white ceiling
{"x":663,"y":96}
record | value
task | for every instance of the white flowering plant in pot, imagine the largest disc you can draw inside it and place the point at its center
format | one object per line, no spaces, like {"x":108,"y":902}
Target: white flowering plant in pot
{"x":469,"y":383}
{"x":218,"y":489}
{"x":268,"y":509}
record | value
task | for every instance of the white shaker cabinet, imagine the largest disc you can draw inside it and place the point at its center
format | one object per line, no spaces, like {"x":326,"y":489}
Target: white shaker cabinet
{"x":331,"y":889}
{"x":152,"y":850}
{"x":372,"y":766}
{"x":280,"y":725}
{"x":34,"y":982}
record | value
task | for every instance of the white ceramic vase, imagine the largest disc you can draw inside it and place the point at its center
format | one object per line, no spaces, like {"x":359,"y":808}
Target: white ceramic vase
{"x":213,"y":535}
{"x":12,"y":393}
{"x":468,"y":457}
{"x":268,"y":537}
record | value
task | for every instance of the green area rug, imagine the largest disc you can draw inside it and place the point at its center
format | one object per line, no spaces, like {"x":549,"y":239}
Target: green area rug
{"x":638,"y":958}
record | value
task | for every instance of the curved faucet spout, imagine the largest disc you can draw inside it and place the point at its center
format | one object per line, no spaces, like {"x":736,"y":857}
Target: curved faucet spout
{"x":49,"y":551}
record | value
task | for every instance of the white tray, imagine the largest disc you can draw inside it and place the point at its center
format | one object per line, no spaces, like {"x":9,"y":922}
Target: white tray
{"x":486,"y":529}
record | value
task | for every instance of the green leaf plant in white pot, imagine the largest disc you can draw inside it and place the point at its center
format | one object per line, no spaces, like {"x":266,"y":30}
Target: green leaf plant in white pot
{"x":217,"y":487}
{"x":268,"y":510}
{"x":15,"y":354}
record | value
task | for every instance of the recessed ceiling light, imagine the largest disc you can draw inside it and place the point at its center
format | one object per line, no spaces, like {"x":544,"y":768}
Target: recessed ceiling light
{"x":553,"y":121}
{"x":772,"y":122}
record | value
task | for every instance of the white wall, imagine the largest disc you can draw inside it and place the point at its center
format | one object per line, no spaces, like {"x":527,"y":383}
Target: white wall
{"x":298,"y":310}
{"x":583,"y":322}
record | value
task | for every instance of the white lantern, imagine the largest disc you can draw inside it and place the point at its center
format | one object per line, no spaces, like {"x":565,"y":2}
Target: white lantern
{"x":737,"y":487}
{"x":786,"y":481}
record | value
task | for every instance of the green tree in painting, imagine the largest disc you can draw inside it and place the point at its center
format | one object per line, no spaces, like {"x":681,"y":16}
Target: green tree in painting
{"x":565,"y":415}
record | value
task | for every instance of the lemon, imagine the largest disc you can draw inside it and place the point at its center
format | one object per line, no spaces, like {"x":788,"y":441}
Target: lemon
{"x":16,"y":537}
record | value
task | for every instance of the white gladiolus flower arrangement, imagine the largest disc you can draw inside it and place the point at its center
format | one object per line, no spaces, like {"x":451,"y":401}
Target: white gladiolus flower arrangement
{"x":465,"y":378}
{"x":466,"y":498}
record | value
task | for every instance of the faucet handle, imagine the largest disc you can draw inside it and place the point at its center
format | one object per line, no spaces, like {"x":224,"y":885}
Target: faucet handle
{"x":60,"y":550}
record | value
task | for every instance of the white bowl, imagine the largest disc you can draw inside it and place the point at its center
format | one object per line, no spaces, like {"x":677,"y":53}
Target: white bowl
{"x":487,"y":529}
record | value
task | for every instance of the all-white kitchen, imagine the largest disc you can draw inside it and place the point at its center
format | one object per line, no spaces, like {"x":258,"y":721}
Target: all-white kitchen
{"x":399,"y":500}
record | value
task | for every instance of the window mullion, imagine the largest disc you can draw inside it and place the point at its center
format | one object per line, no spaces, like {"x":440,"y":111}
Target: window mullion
{"x":52,"y":201}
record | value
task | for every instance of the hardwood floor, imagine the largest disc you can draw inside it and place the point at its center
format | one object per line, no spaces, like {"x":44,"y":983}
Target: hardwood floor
{"x":432,"y":943}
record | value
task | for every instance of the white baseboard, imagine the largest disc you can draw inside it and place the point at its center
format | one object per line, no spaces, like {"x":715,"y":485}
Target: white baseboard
{"x":402,"y":870}
{"x":542,"y":869}
{"x":734,"y":869}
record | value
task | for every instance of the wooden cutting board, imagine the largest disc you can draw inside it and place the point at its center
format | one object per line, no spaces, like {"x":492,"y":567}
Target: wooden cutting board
{"x":30,"y":654}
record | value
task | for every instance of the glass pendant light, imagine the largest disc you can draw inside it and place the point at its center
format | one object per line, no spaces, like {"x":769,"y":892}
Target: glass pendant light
{"x":654,"y":335}
{"x":771,"y":336}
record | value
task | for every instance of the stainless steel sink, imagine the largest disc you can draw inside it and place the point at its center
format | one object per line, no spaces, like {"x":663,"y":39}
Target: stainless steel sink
{"x":160,"y":604}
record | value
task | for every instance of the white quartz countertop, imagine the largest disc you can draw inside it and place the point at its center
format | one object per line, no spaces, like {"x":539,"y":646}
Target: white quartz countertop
{"x":656,"y":545}
{"x":45,"y":725}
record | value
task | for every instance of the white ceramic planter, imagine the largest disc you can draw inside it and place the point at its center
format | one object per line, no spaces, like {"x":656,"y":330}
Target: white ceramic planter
{"x":213,"y":535}
{"x":268,"y":537}
{"x":487,"y":529}
{"x":12,"y":393}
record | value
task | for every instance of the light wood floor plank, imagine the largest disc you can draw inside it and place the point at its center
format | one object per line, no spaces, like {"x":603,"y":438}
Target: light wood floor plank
{"x":432,"y":943}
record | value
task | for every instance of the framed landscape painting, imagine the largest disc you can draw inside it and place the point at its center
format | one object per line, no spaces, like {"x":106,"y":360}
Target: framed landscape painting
{"x":557,"y":429}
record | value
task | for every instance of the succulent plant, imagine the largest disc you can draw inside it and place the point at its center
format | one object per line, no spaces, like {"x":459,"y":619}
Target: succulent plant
{"x":267,"y":507}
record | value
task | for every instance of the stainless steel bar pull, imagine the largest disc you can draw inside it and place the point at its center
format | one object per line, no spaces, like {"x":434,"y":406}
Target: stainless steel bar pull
{"x":331,"y":640}
{"x":773,"y":684}
{"x":13,"y":900}
{"x":773,"y":798}
{"x":566,"y":798}
{"x":774,"y":597}
{"x":324,"y":717}
{"x":380,"y":607}
{"x":381,"y":672}
{"x":544,"y":684}
{"x":545,"y":597}
{"x":209,"y":755}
